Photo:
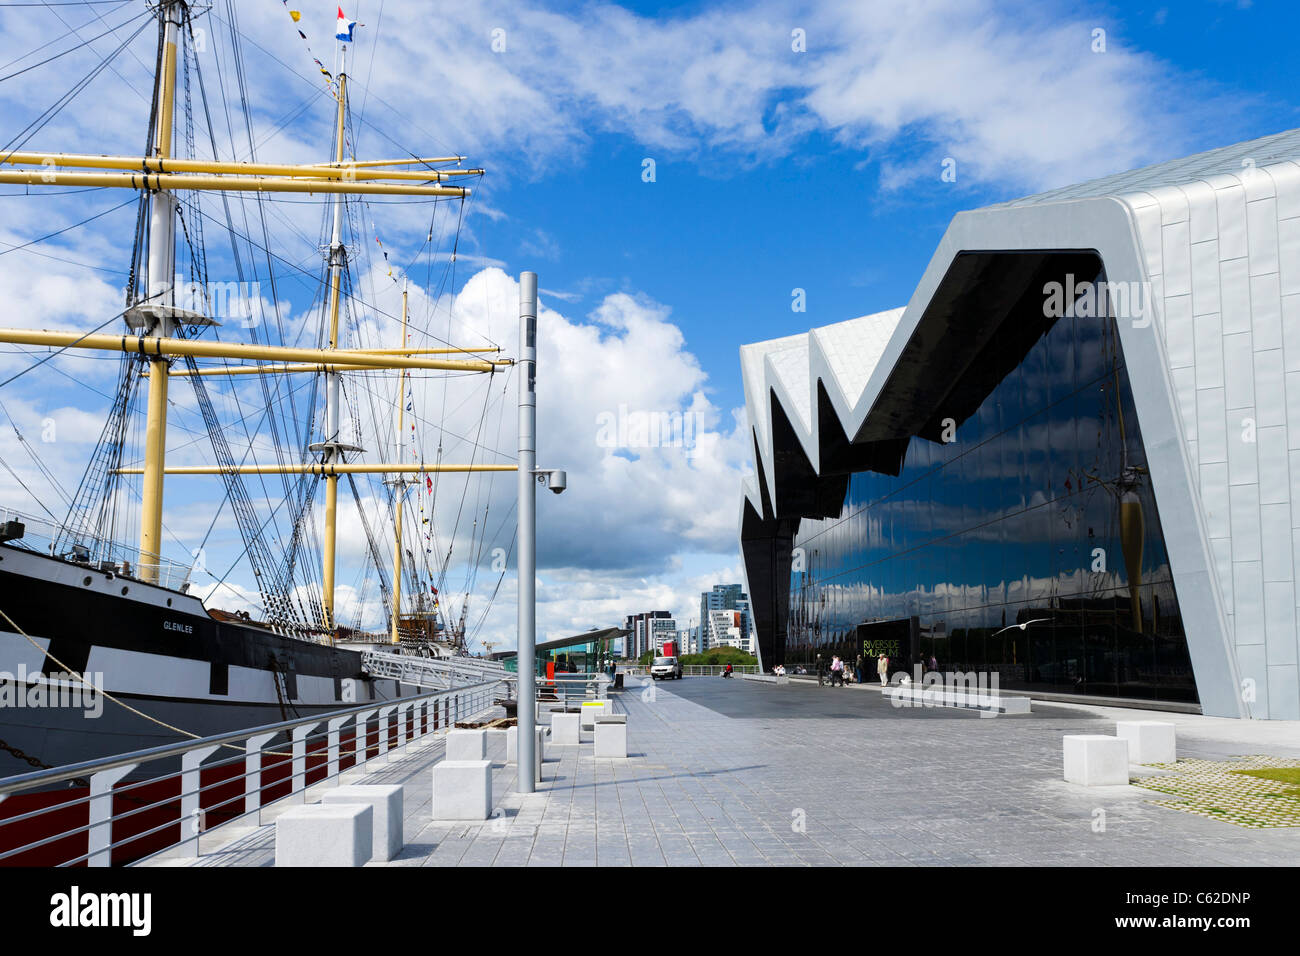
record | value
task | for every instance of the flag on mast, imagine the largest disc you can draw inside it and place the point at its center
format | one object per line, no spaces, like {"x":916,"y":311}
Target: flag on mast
{"x":345,"y":28}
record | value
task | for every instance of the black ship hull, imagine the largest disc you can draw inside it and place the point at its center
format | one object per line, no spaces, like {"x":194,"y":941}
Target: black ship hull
{"x":154,"y":649}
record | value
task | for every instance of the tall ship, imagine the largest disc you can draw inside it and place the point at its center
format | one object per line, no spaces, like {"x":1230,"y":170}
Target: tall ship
{"x":102,"y":602}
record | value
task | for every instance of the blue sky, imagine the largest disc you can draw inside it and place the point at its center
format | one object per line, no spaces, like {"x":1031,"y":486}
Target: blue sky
{"x":724,"y":240}
{"x":775,"y":169}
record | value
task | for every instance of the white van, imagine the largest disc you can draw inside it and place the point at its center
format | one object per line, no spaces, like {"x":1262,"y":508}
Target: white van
{"x":666,"y":667}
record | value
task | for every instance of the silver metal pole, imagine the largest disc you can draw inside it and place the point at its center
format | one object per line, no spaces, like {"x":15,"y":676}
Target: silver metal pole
{"x":527,"y":515}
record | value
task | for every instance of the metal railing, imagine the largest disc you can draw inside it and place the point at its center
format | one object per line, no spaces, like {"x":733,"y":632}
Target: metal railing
{"x":565,"y":688}
{"x":715,"y":670}
{"x":167,"y":811}
{"x":441,"y":673}
{"x":98,"y":553}
{"x":692,"y":670}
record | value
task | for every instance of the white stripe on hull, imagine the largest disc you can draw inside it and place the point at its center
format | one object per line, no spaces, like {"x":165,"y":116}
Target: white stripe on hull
{"x":173,"y":690}
{"x":79,"y":577}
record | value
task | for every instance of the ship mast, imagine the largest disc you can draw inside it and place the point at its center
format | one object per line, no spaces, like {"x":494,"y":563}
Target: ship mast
{"x":162,"y":260}
{"x":155,"y":321}
{"x":400,"y":482}
{"x":331,"y":448}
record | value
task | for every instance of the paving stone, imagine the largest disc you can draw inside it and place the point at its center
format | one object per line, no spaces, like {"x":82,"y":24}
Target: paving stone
{"x":729,"y":773}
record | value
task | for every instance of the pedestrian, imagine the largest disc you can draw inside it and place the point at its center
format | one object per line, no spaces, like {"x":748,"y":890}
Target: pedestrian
{"x":857,"y":669}
{"x":934,"y":663}
{"x":882,"y":668}
{"x":821,"y":676}
{"x":837,"y":671}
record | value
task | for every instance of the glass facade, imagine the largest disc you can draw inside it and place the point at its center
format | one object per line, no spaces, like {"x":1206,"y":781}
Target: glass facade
{"x":1027,"y":544}
{"x":583,"y":657}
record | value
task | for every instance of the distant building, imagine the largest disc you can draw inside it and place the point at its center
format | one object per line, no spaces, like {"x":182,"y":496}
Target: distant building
{"x":686,"y":641}
{"x":725,"y":597}
{"x":663,"y":630}
{"x":725,"y":629}
{"x":646,"y":632}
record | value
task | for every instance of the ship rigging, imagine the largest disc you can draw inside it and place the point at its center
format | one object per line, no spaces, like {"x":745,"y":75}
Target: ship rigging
{"x":300,"y":427}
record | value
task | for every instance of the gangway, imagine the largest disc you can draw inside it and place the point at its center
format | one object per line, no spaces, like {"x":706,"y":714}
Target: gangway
{"x":437,"y":673}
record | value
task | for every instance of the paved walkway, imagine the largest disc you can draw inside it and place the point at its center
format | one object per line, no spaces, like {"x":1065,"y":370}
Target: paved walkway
{"x":735,"y":772}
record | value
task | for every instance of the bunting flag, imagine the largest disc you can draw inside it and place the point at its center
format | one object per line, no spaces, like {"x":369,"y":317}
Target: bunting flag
{"x":387,"y":264}
{"x":296,"y":17}
{"x":345,"y":28}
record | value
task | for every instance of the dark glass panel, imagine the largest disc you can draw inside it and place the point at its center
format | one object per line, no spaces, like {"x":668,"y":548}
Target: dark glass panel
{"x":1016,"y":521}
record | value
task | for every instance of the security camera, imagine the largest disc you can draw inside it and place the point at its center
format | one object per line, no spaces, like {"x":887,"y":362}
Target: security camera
{"x":557,"y":481}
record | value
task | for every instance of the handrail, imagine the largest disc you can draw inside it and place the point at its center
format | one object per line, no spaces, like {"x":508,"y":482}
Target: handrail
{"x":428,"y":671}
{"x":41,"y":536}
{"x":317,"y":743}
{"x":692,"y":670}
{"x":39,"y":778}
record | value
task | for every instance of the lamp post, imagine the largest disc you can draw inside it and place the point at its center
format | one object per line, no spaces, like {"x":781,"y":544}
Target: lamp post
{"x":529,"y":477}
{"x":526,"y":706}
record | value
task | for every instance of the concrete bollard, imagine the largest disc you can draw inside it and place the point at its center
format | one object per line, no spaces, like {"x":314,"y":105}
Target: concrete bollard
{"x":466,"y":744}
{"x":1096,"y":761}
{"x":512,"y":750}
{"x":564,"y":730}
{"x":591,"y":709}
{"x":333,"y":835}
{"x":462,"y":790}
{"x":1149,"y":741}
{"x":512,"y":744}
{"x":611,"y":736}
{"x":385,"y":801}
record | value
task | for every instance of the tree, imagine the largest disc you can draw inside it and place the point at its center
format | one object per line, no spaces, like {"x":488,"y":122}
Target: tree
{"x":723,"y":654}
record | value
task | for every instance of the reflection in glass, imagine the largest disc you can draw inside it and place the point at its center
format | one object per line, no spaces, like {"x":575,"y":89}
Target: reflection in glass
{"x":1029,"y":546}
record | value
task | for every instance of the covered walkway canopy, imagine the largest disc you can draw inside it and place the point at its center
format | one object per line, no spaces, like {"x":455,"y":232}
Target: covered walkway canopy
{"x":577,"y":653}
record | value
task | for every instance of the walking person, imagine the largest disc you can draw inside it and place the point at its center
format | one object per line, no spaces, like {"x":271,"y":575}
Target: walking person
{"x":821,"y":676}
{"x":882,"y":668}
{"x":857,"y":669}
{"x":837,"y":671}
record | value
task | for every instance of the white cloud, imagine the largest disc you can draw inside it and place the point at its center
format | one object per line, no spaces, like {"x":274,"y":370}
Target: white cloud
{"x":610,"y":541}
{"x":1012,"y":91}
